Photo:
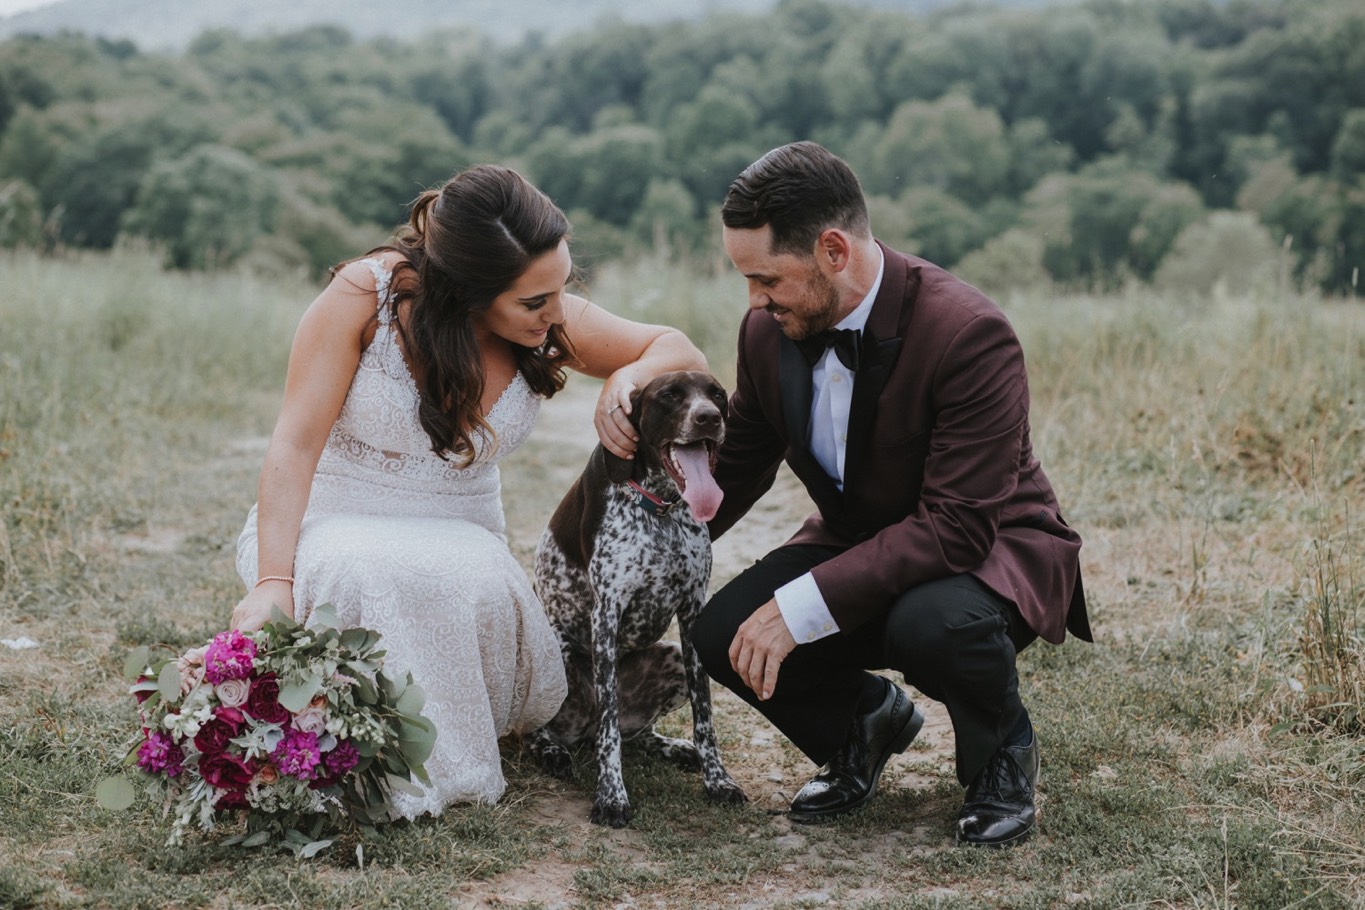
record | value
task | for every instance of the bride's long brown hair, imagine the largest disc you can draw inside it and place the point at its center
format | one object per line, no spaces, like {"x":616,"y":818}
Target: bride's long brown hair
{"x":464,"y":244}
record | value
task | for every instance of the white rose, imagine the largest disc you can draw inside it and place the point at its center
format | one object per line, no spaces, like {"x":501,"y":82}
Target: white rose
{"x":233,"y":692}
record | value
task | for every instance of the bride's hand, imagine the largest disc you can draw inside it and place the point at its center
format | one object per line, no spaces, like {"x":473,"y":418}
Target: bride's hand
{"x":253,"y":611}
{"x":612,"y":417}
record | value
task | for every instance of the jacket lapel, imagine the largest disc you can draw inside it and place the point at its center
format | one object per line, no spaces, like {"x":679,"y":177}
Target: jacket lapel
{"x":881,"y":346}
{"x":794,"y":377}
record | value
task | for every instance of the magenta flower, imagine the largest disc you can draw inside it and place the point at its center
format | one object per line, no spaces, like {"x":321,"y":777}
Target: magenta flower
{"x":231,"y":655}
{"x":159,"y":754}
{"x":341,"y":759}
{"x":297,"y":755}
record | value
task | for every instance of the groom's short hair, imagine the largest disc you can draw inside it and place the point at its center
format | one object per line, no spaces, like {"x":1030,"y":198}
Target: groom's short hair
{"x":798,"y":190}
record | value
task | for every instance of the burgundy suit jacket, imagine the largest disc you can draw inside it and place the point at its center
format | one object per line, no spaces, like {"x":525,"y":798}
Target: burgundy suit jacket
{"x":940,"y":476}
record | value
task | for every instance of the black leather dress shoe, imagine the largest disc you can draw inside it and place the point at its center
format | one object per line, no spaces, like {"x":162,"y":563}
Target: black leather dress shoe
{"x":999,"y":810}
{"x":850,"y":778}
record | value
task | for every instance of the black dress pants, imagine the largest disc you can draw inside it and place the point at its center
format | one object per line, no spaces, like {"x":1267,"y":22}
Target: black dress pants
{"x":953,"y":639}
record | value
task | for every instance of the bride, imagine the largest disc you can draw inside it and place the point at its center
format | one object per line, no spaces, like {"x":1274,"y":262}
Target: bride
{"x":410,"y":376}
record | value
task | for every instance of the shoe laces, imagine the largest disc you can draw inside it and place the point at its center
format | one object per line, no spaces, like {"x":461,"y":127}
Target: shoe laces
{"x":1003,"y":776}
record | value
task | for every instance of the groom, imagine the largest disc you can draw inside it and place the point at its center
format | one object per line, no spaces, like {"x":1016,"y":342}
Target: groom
{"x":897,"y":394}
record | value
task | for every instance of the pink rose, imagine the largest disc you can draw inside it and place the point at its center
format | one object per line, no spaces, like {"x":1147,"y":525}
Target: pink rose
{"x":233,"y":692}
{"x":268,"y":774}
{"x":310,"y":720}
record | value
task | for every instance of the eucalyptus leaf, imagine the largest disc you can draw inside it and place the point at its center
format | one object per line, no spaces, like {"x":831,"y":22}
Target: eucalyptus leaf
{"x":388,"y":686}
{"x":416,"y":745}
{"x":355,"y":639}
{"x":325,"y":616}
{"x":412,"y":700}
{"x":366,"y":691}
{"x":296,"y":695}
{"x":168,"y":682}
{"x":136,"y":662}
{"x":279,"y":617}
{"x":115,"y":793}
{"x":404,"y":786}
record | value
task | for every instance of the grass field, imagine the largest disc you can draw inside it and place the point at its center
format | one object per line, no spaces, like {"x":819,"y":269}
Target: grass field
{"x":1208,"y":751}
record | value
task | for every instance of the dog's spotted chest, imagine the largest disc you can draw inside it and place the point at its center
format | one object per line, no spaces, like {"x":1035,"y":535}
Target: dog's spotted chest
{"x":649,"y":564}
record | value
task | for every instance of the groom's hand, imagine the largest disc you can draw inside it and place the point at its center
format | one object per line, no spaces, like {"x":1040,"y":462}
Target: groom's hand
{"x":760,"y":646}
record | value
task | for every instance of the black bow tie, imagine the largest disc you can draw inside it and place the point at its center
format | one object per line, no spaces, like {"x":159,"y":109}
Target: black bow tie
{"x":846,"y":344}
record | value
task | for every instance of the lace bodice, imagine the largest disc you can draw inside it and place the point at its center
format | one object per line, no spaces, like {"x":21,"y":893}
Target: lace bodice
{"x":378,"y":440}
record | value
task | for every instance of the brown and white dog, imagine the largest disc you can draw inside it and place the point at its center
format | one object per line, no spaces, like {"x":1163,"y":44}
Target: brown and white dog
{"x":625,"y":552}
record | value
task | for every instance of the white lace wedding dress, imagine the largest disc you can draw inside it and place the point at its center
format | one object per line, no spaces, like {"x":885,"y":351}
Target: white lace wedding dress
{"x":414,"y":547}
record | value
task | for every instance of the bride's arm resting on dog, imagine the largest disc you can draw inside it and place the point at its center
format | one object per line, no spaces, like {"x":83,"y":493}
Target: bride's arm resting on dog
{"x":322,"y":362}
{"x":627,"y":355}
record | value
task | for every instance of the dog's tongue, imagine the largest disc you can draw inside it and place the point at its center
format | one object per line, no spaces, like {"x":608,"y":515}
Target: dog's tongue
{"x":700,"y":493}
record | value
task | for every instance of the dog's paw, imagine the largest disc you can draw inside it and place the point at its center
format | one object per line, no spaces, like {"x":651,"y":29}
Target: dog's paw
{"x":725,"y":791}
{"x":556,"y":763}
{"x":612,"y":813}
{"x":552,"y":758}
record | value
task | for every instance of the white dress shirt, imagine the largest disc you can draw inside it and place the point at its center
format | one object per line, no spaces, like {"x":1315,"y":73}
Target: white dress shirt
{"x":800,"y":602}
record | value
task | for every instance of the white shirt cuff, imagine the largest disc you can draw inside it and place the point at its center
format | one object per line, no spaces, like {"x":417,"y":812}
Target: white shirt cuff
{"x":804,"y":610}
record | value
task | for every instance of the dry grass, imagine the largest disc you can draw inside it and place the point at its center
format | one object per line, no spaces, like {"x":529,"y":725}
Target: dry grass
{"x":1210,"y":455}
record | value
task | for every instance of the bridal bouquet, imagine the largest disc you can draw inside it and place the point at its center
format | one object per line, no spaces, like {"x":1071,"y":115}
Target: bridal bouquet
{"x":297,"y":729}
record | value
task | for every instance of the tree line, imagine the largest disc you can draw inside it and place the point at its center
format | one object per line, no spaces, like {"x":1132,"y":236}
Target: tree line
{"x":1169,"y":141}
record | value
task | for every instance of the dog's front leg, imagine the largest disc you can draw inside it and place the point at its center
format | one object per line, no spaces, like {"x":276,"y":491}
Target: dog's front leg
{"x":611,"y":806}
{"x":717,"y":781}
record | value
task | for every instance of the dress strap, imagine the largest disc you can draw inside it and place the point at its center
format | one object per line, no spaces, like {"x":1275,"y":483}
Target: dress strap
{"x":382,"y":275}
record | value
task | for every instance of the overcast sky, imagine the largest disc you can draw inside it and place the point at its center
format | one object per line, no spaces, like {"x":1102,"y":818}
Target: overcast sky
{"x":10,"y":7}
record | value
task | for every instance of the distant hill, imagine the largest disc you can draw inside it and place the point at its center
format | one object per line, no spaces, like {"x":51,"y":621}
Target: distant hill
{"x":150,"y":25}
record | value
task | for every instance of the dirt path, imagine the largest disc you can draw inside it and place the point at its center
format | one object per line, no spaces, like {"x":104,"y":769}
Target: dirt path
{"x":769,"y":769}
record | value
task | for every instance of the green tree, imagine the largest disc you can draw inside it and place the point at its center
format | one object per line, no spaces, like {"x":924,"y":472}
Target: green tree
{"x":1106,"y":223}
{"x":21,"y":221}
{"x":206,"y":207}
{"x":1348,"y":148}
{"x":94,"y":181}
{"x":1228,"y":249}
{"x":667,"y":217}
{"x":949,"y":144}
{"x":605,"y":173}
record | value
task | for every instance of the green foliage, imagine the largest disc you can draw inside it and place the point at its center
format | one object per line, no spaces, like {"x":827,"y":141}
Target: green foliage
{"x":1227,"y":250}
{"x":1007,"y":111}
{"x":20,"y":216}
{"x":207,"y":207}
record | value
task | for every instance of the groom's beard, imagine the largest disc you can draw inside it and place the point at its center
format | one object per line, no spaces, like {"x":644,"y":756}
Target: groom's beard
{"x":816,"y":310}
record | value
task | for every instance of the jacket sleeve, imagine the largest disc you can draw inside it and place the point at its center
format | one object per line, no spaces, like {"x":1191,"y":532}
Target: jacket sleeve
{"x":980,"y":394}
{"x":753,"y":448}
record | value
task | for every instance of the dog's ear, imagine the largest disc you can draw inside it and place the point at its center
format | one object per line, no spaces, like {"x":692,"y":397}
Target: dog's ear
{"x":619,"y":470}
